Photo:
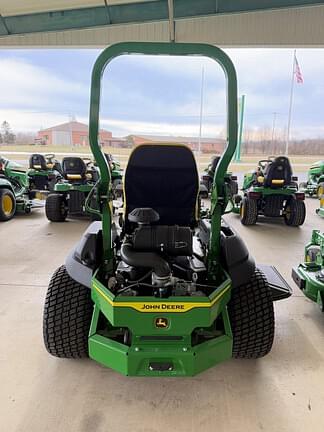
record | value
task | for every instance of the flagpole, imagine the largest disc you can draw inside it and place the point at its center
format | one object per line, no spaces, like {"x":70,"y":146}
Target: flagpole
{"x":201,"y":111}
{"x":290,"y":104}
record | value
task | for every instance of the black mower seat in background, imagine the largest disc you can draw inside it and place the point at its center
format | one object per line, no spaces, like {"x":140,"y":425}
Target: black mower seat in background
{"x":278,"y":173}
{"x":165,"y":178}
{"x":37,"y":161}
{"x":214,"y":163}
{"x":74,"y":168}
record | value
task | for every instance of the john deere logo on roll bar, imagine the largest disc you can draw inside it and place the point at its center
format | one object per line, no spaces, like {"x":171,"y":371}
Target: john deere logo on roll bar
{"x":161,"y":322}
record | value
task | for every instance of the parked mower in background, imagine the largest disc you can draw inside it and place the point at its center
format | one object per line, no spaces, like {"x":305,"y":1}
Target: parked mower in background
{"x":315,"y":182}
{"x":44,"y":172}
{"x":309,"y":275}
{"x":79,"y":176}
{"x":272,"y":191}
{"x":320,"y":210}
{"x":207,"y":178}
{"x":168,"y":294}
{"x":15,"y":194}
{"x":116,"y":175}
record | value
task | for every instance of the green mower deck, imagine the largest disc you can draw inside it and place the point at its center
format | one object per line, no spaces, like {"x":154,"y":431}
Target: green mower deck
{"x":309,"y":275}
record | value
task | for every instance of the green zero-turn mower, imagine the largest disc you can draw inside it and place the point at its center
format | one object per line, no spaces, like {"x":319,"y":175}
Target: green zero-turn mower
{"x":315,"y":181}
{"x":271,"y":190}
{"x":15,"y":195}
{"x":169,"y":294}
{"x":309,"y":275}
{"x":207,"y":178}
{"x":44,"y":172}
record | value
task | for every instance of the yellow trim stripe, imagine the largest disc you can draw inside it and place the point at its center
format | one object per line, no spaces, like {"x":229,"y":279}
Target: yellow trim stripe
{"x":174,"y":307}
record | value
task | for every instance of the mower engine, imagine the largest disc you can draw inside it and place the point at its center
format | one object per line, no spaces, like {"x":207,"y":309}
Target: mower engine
{"x":159,"y":260}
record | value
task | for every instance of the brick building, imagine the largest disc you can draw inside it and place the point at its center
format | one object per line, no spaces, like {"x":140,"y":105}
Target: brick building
{"x":71,"y":133}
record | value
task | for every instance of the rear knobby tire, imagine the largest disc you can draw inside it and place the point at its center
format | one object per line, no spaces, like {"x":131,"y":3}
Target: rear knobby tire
{"x":249,"y":211}
{"x":234,"y":187}
{"x":7,"y":204}
{"x":67,"y":316}
{"x":252,"y":318}
{"x":295,"y":212}
{"x":55,"y":208}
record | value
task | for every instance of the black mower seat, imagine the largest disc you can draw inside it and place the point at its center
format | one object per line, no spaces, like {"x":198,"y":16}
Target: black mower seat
{"x":74,"y":169}
{"x":163,"y":177}
{"x":214,"y":163}
{"x":278,"y":173}
{"x":37,"y":162}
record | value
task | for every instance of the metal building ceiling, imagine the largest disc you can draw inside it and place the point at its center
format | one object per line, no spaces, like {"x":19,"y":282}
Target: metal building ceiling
{"x":96,"y":23}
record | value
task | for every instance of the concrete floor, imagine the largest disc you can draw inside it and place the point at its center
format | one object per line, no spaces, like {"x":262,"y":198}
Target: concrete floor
{"x":282,"y":392}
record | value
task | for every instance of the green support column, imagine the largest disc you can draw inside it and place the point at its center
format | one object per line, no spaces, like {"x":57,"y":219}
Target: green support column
{"x":241,"y":104}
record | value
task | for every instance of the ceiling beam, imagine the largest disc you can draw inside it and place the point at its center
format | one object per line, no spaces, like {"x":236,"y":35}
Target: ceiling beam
{"x":171,"y":20}
{"x":141,"y":12}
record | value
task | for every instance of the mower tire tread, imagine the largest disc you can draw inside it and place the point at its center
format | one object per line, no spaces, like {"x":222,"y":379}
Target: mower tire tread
{"x":252,"y":318}
{"x":55,"y":208}
{"x":67,"y":316}
{"x":297,"y":213}
{"x":249,"y":211}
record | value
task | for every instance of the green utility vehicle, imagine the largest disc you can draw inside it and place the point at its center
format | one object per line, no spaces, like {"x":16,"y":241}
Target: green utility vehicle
{"x":272,"y":191}
{"x":315,"y":182}
{"x":169,"y":294}
{"x":44,"y":171}
{"x":15,"y":194}
{"x":309,"y":275}
{"x":206,"y":180}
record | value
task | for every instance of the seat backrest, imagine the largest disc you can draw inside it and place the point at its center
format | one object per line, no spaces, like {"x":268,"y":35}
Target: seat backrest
{"x":278,"y":173}
{"x":214,"y":163}
{"x":74,"y":168}
{"x":37,"y":161}
{"x":163,"y":177}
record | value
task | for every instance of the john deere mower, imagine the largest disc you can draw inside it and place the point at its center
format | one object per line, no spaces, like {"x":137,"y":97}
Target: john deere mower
{"x":315,"y":182}
{"x":15,"y":194}
{"x":309,"y":275}
{"x":44,"y":172}
{"x":206,"y":180}
{"x":79,"y":176}
{"x":271,"y":190}
{"x":169,"y":294}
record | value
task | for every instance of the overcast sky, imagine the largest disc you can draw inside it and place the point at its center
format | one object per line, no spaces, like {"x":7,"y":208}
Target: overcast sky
{"x":41,"y":88}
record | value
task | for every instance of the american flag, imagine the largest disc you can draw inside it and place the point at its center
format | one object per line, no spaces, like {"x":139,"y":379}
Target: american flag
{"x":297,"y":71}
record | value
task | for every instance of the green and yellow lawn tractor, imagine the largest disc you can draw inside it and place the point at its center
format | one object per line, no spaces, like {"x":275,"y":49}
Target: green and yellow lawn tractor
{"x":15,"y":195}
{"x":169,"y":294}
{"x":206,"y":179}
{"x":79,"y":176}
{"x":309,"y":275}
{"x":272,"y":191}
{"x":44,"y":172}
{"x":315,"y":181}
